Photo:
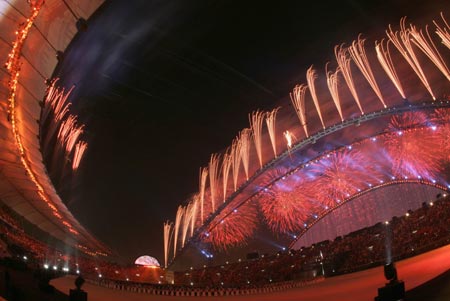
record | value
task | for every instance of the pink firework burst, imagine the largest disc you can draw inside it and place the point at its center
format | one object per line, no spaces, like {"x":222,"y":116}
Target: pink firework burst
{"x":287,"y":206}
{"x":234,"y":229}
{"x":407,"y":120}
{"x":341,"y":175}
{"x":441,"y":119}
{"x":415,"y":152}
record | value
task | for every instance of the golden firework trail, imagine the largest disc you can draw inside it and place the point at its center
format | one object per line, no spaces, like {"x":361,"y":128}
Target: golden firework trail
{"x":359,"y":56}
{"x":202,"y":186}
{"x":443,"y":32}
{"x":256,"y":122}
{"x":332,"y":82}
{"x":214,"y":179}
{"x":195,"y":205}
{"x":385,"y":59}
{"x":226,"y":165}
{"x":425,"y":43}
{"x":178,"y":220}
{"x":344,"y":65}
{"x":298,"y":101}
{"x":401,"y":40}
{"x":270,"y":122}
{"x":244,"y":139}
{"x":80,"y":148}
{"x":236,"y":158}
{"x":168,"y":232}
{"x":311,"y":76}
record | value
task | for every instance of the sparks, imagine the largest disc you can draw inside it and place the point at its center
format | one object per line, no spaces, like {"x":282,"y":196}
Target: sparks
{"x":311,"y":76}
{"x":298,"y":101}
{"x":270,"y":121}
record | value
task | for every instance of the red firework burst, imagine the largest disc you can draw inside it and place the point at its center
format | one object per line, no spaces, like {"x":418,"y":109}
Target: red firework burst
{"x":413,"y":152}
{"x":286,"y":211}
{"x":442,"y":119}
{"x":234,"y":229}
{"x":342,"y":174}
{"x":407,"y":120}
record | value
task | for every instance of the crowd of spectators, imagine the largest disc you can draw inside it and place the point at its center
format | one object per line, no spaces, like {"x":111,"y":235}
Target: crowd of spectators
{"x":415,"y":232}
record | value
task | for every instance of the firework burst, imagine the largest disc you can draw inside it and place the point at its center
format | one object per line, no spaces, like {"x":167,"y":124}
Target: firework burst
{"x":234,"y":229}
{"x":287,"y":211}
{"x":413,"y":152}
{"x":340,"y":175}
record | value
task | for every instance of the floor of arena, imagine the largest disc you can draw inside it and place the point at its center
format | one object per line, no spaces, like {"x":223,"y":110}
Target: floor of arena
{"x":362,"y":285}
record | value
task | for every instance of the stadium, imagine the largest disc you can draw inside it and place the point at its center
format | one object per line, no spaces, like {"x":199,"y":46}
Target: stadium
{"x":345,"y":174}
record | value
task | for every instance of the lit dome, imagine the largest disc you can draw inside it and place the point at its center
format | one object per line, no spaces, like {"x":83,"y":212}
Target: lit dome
{"x":147,"y":261}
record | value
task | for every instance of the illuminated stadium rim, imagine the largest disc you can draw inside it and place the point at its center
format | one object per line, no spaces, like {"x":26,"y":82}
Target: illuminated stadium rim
{"x":361,"y":193}
{"x":407,"y":107}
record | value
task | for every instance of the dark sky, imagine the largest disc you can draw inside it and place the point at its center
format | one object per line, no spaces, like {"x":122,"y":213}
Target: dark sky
{"x":163,"y":84}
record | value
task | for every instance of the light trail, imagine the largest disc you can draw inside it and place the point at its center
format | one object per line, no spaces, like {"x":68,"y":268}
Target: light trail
{"x":256,"y":122}
{"x":311,"y":76}
{"x":359,"y":56}
{"x":244,"y":139}
{"x":385,"y":60}
{"x":332,"y":82}
{"x":271,"y":127}
{"x":443,"y":32}
{"x":168,"y":232}
{"x":178,"y":220}
{"x":236,"y":158}
{"x":298,"y":101}
{"x":226,"y":165}
{"x":202,"y":186}
{"x":80,"y":148}
{"x":214,"y":179}
{"x":344,"y":66}
{"x":401,"y":40}
{"x":425,"y":43}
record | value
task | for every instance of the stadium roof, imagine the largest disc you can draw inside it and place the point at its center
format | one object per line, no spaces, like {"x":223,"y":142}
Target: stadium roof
{"x":31,"y":34}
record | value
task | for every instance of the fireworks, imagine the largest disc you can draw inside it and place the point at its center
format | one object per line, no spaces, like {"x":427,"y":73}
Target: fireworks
{"x":443,"y":32}
{"x":270,"y":121}
{"x":332,"y":82}
{"x":384,"y":57}
{"x":358,"y":53}
{"x":311,"y":76}
{"x":344,"y":65}
{"x":401,"y":40}
{"x":236,"y":156}
{"x":168,"y":231}
{"x":425,"y":43}
{"x":80,"y":148}
{"x":226,"y":165}
{"x":340,"y":175}
{"x":289,"y":139}
{"x":298,"y":101}
{"x":287,"y":194}
{"x":256,"y":122}
{"x":178,"y":220}
{"x":202,"y":183}
{"x":244,"y":140}
{"x":286,"y":211}
{"x":412,"y":152}
{"x":214,"y":179}
{"x":233,"y":229}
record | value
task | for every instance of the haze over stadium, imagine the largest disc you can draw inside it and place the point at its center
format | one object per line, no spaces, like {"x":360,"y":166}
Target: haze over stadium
{"x":215,"y":133}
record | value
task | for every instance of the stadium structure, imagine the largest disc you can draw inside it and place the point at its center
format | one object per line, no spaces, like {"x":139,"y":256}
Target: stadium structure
{"x":364,"y":138}
{"x":34,"y":33}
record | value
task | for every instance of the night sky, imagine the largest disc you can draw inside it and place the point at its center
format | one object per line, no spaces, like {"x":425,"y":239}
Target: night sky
{"x":160,"y":85}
